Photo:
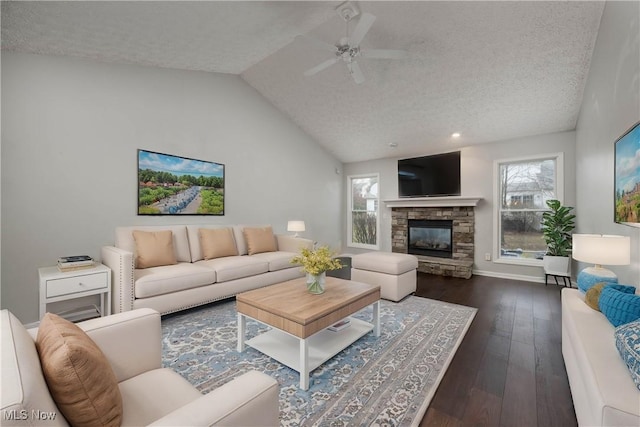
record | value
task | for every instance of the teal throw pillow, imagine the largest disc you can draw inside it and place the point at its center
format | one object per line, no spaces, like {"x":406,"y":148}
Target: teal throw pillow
{"x":628,"y":345}
{"x":619,"y":307}
{"x":587,"y":280}
{"x":592,"y":297}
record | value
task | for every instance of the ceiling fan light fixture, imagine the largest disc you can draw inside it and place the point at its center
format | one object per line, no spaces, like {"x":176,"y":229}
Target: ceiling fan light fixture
{"x":455,"y":135}
{"x":347,"y":11}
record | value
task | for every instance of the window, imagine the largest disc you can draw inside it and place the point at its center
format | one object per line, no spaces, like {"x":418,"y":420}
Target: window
{"x":363,"y":217}
{"x":523,"y":187}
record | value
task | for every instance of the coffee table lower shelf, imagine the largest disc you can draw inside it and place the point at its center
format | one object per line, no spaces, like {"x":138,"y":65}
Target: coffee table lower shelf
{"x":293,"y":352}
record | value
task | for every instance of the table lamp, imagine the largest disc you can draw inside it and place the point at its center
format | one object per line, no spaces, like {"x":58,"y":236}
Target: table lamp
{"x":295,"y":226}
{"x":600,"y":250}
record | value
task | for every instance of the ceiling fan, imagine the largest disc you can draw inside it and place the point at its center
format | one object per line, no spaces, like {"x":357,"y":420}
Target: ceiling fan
{"x":348,"y":48}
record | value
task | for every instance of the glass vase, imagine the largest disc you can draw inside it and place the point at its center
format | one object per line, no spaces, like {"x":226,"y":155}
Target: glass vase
{"x":315,"y":283}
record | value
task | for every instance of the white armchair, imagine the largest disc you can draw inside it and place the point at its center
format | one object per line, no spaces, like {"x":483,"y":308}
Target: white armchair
{"x":151,"y":395}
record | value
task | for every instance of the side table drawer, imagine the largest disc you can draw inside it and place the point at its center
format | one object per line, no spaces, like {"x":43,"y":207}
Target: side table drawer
{"x":72,"y":285}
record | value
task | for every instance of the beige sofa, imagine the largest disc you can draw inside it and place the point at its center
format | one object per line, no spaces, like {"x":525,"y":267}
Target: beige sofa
{"x":151,"y":395}
{"x":193,"y":280}
{"x":601,"y":387}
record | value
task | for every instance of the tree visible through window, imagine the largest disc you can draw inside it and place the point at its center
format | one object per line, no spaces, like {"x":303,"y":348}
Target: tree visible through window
{"x":524,"y":186}
{"x":363,"y":211}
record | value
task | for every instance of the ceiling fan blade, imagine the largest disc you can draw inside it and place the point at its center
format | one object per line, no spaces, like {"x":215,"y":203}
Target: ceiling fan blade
{"x":384,"y":54}
{"x":356,"y":72}
{"x":364,"y":24}
{"x":318,"y":44}
{"x":326,"y":64}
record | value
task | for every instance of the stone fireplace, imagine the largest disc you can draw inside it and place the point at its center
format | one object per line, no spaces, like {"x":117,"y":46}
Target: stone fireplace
{"x":442,"y":237}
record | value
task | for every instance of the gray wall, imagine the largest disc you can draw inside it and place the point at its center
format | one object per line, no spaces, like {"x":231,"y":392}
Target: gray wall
{"x":611,"y":105}
{"x":477,"y":181}
{"x":70,"y":132}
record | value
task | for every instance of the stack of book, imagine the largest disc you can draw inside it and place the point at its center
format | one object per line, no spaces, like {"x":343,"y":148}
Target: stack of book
{"x":344,"y":323}
{"x":76,"y":262}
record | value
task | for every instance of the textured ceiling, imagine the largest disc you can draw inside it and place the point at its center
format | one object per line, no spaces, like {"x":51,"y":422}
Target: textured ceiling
{"x":490,"y":70}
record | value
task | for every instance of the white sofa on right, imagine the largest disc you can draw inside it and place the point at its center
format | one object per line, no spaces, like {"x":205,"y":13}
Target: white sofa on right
{"x":602,"y":389}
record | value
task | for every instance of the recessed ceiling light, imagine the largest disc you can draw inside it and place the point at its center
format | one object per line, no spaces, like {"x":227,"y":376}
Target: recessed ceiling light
{"x":393,"y":144}
{"x":455,"y":135}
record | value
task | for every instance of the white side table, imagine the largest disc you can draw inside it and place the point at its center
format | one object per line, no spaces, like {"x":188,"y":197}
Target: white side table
{"x":61,"y":286}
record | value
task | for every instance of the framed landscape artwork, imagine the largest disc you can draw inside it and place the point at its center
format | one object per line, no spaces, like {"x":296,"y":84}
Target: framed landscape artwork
{"x":174,"y":185}
{"x":627,"y":177}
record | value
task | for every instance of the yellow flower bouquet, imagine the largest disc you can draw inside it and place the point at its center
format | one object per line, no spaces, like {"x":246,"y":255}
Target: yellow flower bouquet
{"x":315,"y":263}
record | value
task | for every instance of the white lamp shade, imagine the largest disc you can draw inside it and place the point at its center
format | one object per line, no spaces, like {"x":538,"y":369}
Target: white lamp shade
{"x":295,"y":226}
{"x":602,"y":249}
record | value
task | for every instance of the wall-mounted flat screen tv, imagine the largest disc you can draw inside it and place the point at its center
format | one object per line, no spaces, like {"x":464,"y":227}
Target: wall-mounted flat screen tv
{"x":429,"y":176}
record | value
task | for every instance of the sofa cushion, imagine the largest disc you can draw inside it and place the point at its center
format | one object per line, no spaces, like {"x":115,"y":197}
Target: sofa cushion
{"x":152,"y":395}
{"x":124,"y":239}
{"x":154,"y":248}
{"x":235,"y":267}
{"x":592,"y":297}
{"x":628,"y":345}
{"x":154,"y":281}
{"x":278,"y":260}
{"x":260,"y":239}
{"x":217,"y":243}
{"x":78,"y":374}
{"x":619,"y":307}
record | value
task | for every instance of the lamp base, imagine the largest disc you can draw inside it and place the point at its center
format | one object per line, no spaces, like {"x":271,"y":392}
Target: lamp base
{"x":592,"y":275}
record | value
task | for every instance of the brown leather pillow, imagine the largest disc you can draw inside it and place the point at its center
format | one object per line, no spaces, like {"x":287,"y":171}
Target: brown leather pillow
{"x":259,"y":240}
{"x":79,"y":376}
{"x":154,"y":248}
{"x":217,"y":242}
{"x":592,"y":297}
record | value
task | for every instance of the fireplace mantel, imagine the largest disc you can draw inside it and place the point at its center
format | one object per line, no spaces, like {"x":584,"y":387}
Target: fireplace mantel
{"x":432,"y":202}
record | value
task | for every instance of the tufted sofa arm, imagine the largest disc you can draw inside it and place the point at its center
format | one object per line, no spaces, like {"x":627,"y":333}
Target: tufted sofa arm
{"x":122,"y":290}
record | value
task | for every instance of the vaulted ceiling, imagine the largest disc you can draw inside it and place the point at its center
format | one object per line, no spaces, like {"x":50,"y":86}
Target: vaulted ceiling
{"x":491,"y":71}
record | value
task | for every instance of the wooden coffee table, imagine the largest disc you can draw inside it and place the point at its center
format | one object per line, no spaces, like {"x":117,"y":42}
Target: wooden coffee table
{"x":299,"y":337}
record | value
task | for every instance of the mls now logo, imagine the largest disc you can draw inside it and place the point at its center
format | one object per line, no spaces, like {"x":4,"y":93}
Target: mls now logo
{"x":23,"y":415}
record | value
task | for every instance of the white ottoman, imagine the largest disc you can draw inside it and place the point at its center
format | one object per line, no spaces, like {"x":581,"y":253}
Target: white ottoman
{"x":394,"y":273}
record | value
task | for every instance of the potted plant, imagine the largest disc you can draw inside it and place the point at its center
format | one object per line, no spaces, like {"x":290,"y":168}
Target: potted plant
{"x":557,"y":225}
{"x":316,"y":263}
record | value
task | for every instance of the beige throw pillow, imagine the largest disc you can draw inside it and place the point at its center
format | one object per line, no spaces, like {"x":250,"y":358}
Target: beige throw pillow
{"x":259,"y":240}
{"x":79,"y":376}
{"x":154,"y":248}
{"x":217,"y":242}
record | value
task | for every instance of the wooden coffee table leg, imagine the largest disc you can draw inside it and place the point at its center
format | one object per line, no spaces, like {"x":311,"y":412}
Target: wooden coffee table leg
{"x":376,"y":318}
{"x":304,"y":364}
{"x":242,"y":322}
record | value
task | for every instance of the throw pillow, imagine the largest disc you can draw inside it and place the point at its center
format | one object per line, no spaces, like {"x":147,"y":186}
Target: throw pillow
{"x":154,"y":248}
{"x":259,"y":240}
{"x":619,"y":307}
{"x":592,"y":297}
{"x":79,"y":376}
{"x":217,"y":242}
{"x":628,"y":345}
{"x":586,"y":281}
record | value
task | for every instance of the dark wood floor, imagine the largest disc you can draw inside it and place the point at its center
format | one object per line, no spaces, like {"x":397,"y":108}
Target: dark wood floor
{"x":508,"y":370}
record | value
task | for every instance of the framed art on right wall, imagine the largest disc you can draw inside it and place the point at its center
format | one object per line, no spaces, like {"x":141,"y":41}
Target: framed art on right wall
{"x":627,"y":177}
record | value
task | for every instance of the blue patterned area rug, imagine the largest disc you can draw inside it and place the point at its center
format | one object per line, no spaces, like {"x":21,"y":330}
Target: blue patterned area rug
{"x":385,"y":381}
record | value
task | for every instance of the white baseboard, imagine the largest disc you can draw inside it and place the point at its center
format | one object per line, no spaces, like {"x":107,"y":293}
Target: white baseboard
{"x":522,"y":277}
